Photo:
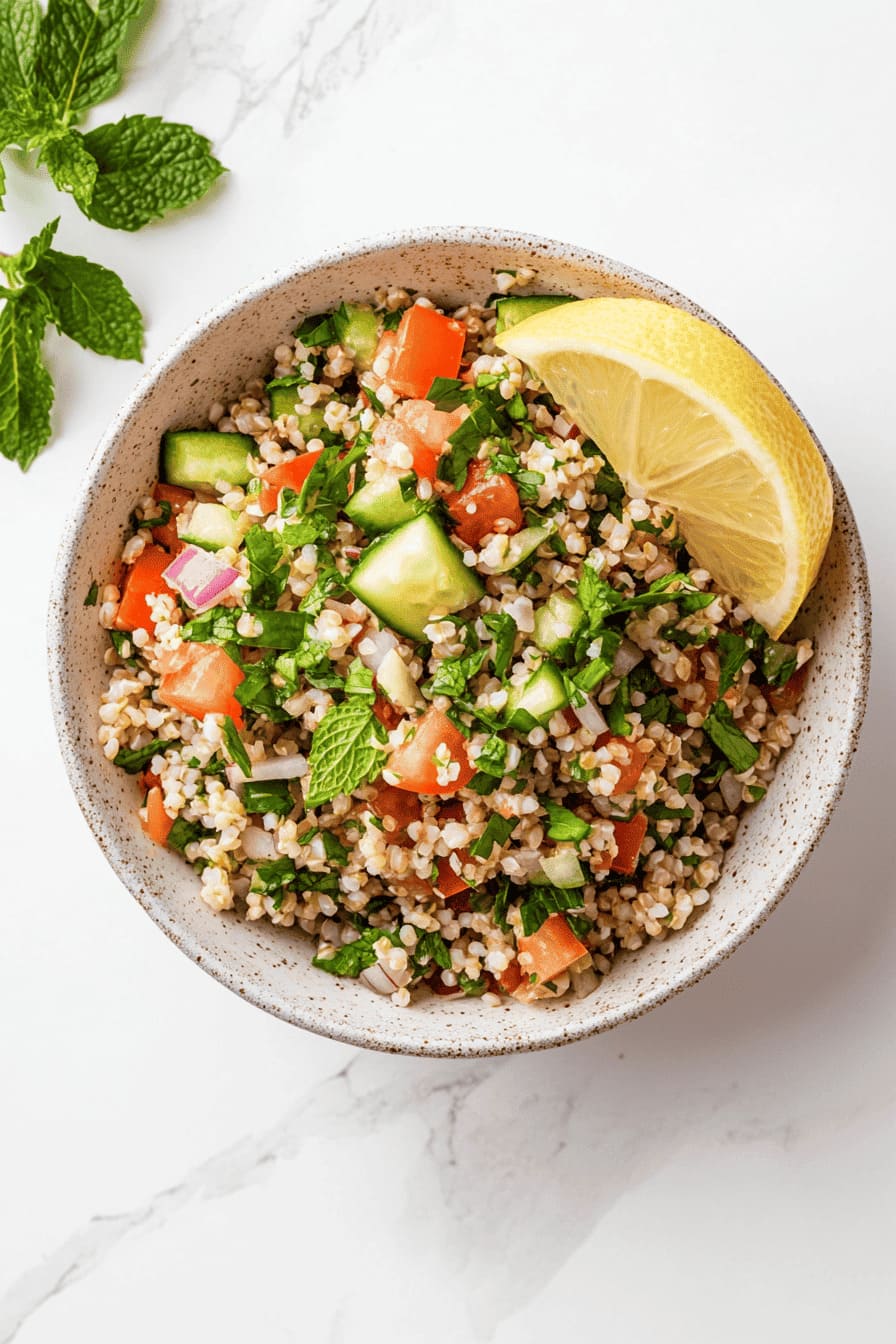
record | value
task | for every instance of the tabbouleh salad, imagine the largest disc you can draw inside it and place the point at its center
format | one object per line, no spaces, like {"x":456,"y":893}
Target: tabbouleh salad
{"x":395,"y":659}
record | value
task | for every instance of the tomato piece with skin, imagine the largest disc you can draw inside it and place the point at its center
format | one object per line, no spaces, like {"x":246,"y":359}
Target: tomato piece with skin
{"x":552,"y":949}
{"x":510,"y":978}
{"x":389,"y":715}
{"x":629,"y":836}
{"x":200,"y":679}
{"x":158,"y":823}
{"x":427,"y":346}
{"x":398,"y":807}
{"x":630,"y":766}
{"x":784,"y":699}
{"x":290,"y":475}
{"x":414,"y":763}
{"x":484,"y":504}
{"x":449,"y":883}
{"x":175,"y":495}
{"x":143,"y":579}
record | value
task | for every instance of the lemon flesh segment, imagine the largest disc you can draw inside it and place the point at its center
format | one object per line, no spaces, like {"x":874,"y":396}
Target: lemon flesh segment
{"x":689,"y":419}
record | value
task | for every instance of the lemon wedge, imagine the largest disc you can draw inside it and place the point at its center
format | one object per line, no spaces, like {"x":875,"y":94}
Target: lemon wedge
{"x":689,"y":419}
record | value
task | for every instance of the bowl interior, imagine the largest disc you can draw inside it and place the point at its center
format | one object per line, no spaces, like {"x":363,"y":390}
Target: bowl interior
{"x":271,"y":967}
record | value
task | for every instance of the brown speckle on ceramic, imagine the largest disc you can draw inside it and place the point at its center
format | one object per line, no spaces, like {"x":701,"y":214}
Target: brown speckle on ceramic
{"x":271,"y":967}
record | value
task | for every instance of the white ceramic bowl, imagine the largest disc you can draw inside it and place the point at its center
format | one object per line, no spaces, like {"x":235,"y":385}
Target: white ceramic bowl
{"x":271,"y":967}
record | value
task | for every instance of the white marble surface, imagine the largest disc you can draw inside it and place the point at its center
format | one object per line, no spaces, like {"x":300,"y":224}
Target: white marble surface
{"x":176,"y":1165}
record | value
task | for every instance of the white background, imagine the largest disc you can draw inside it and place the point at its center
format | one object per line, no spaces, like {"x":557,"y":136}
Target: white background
{"x":175,"y":1164}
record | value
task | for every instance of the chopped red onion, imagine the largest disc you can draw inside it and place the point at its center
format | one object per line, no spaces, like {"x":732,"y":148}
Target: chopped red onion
{"x":200,"y":577}
{"x":732,"y":791}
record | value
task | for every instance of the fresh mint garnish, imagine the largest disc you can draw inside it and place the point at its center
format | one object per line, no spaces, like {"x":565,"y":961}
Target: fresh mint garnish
{"x":346,"y":751}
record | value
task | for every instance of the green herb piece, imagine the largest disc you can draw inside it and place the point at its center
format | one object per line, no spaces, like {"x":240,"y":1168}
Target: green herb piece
{"x":267,"y":571}
{"x":326,"y":487}
{"x":472,"y":988}
{"x":483,"y":783}
{"x":720,"y":727}
{"x":236,"y":749}
{"x":353,"y":958}
{"x":580,"y":925}
{"x":346,"y":751}
{"x":502,"y":627}
{"x":317,"y":330}
{"x":660,"y":812}
{"x":135,"y":761}
{"x":391,"y":321}
{"x":689,"y":603}
{"x":360,"y":681}
{"x":498,"y":831}
{"x":446,"y":394}
{"x":492,"y":759}
{"x":544,"y":901}
{"x":656,"y":709}
{"x":778,"y":662}
{"x":734,"y":652}
{"x":619,"y":706}
{"x":185,"y":833}
{"x":644,"y":525}
{"x":257,"y":693}
{"x":684,"y":784}
{"x":271,"y":878}
{"x":756,"y":792}
{"x":334,"y":849}
{"x":268,"y":796}
{"x":432,"y":947}
{"x":562,"y":823}
{"x":713,"y":773}
{"x":92,"y":594}
{"x":452,"y":674}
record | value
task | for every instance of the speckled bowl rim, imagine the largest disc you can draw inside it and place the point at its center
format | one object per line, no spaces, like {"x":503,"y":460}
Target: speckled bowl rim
{"x":79,"y":760}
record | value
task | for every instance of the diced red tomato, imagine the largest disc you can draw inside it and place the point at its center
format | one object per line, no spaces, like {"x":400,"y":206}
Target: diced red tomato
{"x":415,"y":764}
{"x":200,"y":679}
{"x":178,"y":498}
{"x":387,"y":713}
{"x":784,"y":699}
{"x":398,"y":806}
{"x":158,"y":823}
{"x":552,"y":949}
{"x":629,"y":836}
{"x":449,"y":883}
{"x":630,"y":766}
{"x":484,"y":504}
{"x":510,"y":978}
{"x":291,"y":475}
{"x":427,"y":346}
{"x":697,"y":674}
{"x":149,"y":780}
{"x":142,"y":580}
{"x":453,"y":811}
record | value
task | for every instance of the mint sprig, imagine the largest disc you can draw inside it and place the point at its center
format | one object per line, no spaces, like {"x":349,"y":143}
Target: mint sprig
{"x":55,"y":65}
{"x":83,"y":301}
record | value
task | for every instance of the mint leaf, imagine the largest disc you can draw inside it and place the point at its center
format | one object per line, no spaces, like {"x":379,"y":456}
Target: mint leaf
{"x":19,"y":31}
{"x":89,"y":304}
{"x":146,"y":167}
{"x":345,"y":751}
{"x":562,"y":823}
{"x":77,"y":55}
{"x":720,"y":727}
{"x":267,"y":572}
{"x":26,"y":389}
{"x":236,"y":749}
{"x":71,"y":166}
{"x":360,"y":681}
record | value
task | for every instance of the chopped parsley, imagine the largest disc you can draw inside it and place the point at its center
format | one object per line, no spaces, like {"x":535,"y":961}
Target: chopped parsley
{"x":720,"y":727}
{"x":273,"y":795}
{"x":136,"y":760}
{"x":498,"y":831}
{"x":235,"y":746}
{"x":562,"y":823}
